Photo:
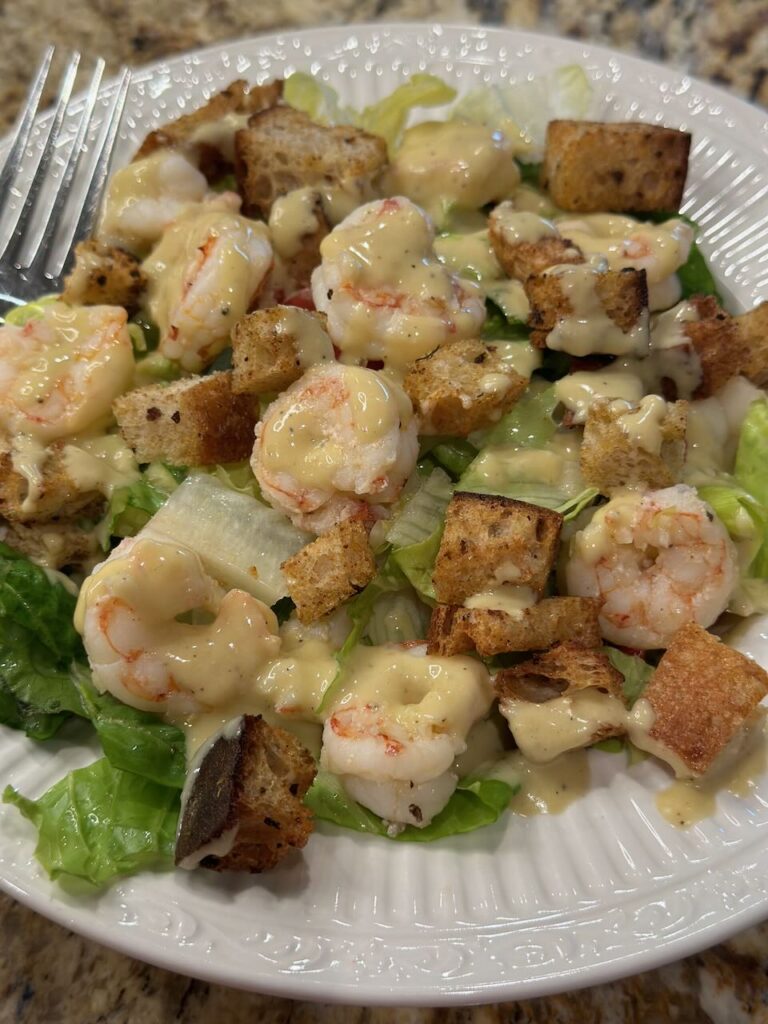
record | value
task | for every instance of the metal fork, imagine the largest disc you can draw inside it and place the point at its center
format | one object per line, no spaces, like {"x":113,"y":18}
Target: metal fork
{"x":35,"y":248}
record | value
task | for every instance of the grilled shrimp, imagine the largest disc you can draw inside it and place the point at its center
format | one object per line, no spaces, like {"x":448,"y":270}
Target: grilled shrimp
{"x":386,"y":294}
{"x":656,"y":561}
{"x":337,"y":443}
{"x":203,"y":276}
{"x":129,"y":614}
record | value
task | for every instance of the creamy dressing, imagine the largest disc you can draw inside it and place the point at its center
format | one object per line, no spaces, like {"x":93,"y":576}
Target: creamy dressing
{"x":672,"y":354}
{"x":521,"y":356}
{"x":498,"y":466}
{"x":714,"y":426}
{"x":579,"y":391}
{"x":548,"y":788}
{"x":220,"y":133}
{"x":544,"y":731}
{"x":471,"y":256}
{"x":532,"y":200}
{"x":100,"y":464}
{"x":643,"y":422}
{"x":517,"y":226}
{"x":588,"y":328}
{"x":506,"y":598}
{"x":292,"y":219}
{"x":307,"y":334}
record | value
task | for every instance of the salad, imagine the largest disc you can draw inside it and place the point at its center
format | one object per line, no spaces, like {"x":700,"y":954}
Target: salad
{"x":370,"y":472}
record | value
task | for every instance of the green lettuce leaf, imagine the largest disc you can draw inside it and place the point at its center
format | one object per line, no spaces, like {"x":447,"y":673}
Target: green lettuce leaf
{"x":416,"y":533}
{"x":99,"y":822}
{"x":528,"y":424}
{"x":317,"y":99}
{"x":635,"y":670}
{"x":20,"y":315}
{"x":130,"y":508}
{"x":499,"y":327}
{"x":388,"y":117}
{"x":32,"y":601}
{"x":453,"y":454}
{"x":695,"y":276}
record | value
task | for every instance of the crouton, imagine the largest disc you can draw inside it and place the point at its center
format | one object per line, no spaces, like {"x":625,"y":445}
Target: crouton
{"x":700,"y":696}
{"x":196,"y":421}
{"x":719,"y":344}
{"x":560,"y":671}
{"x":271,"y":348}
{"x":554,"y":620}
{"x":613,"y":454}
{"x":297,"y":225}
{"x":57,"y":495}
{"x":580,"y":292}
{"x":461,"y":387}
{"x":521,"y":257}
{"x":753,"y":332}
{"x":243,"y":808}
{"x":103,"y":274}
{"x":330,"y":570}
{"x":591,"y":166}
{"x":282,"y":149}
{"x":54,"y":545}
{"x":490,"y":540}
{"x":238,"y":98}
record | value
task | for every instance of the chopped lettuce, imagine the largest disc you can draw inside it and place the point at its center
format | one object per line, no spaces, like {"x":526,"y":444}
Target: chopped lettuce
{"x":317,"y":99}
{"x":453,"y":454}
{"x":476,"y":803}
{"x":388,"y":116}
{"x":100,"y":822}
{"x":635,"y":670}
{"x":29,"y":311}
{"x":499,"y":327}
{"x":416,"y":533}
{"x":528,"y":424}
{"x":398,"y":617}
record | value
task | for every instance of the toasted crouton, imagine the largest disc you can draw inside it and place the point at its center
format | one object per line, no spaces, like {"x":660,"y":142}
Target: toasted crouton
{"x":554,"y":620}
{"x":103,"y":274}
{"x":612,"y":456}
{"x":243,"y":808}
{"x":719,"y":344}
{"x":197,"y":421}
{"x":622,"y":294}
{"x":520,"y":258}
{"x":282,"y":149}
{"x":700,"y":696}
{"x":57,"y":495}
{"x":490,"y":540}
{"x":590,"y":166}
{"x":54,"y":545}
{"x":330,"y":570}
{"x":271,"y":348}
{"x":753,"y":332}
{"x":560,"y":671}
{"x":297,"y":225}
{"x":461,"y":387}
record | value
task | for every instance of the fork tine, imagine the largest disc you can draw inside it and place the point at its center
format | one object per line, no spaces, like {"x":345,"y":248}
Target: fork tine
{"x":24,"y":127}
{"x":41,"y":174}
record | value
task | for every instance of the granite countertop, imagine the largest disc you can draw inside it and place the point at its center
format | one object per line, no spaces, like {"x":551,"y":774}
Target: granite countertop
{"x":47,"y":973}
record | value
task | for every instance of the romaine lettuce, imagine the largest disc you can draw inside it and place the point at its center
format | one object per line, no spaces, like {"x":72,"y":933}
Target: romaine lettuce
{"x":635,"y":670}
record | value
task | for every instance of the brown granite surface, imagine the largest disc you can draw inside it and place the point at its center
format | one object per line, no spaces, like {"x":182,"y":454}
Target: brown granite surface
{"x":50,"y":975}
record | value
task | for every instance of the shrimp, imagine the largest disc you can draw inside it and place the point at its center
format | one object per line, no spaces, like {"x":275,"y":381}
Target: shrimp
{"x":656,"y":561}
{"x":204,"y":275}
{"x":338,"y":443}
{"x":141,"y":651}
{"x":61,"y":371}
{"x":397,"y":728}
{"x":386,"y":294}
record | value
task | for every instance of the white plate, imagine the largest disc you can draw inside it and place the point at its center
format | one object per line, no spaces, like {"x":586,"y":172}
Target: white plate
{"x":529,"y":906}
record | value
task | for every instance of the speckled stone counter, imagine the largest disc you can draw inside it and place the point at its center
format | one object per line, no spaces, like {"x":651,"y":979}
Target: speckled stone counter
{"x":50,"y":975}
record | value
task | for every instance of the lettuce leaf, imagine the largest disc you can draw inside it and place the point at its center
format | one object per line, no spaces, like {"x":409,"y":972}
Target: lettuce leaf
{"x":30,"y":600}
{"x":100,"y":822}
{"x":635,"y":670}
{"x":388,"y":117}
{"x":317,"y":99}
{"x":475,"y":804}
{"x":416,"y":533}
{"x":528,"y":424}
{"x":499,"y":327}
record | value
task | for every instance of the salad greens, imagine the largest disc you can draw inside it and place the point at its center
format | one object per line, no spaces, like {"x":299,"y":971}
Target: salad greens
{"x":636,"y":671}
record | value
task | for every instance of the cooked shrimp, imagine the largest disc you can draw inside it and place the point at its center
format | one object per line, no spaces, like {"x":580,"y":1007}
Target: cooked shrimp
{"x":61,"y":371}
{"x":129,"y":613}
{"x":656,"y":561}
{"x":397,"y":728}
{"x":203,"y":276}
{"x":339,"y":442}
{"x":386,"y":294}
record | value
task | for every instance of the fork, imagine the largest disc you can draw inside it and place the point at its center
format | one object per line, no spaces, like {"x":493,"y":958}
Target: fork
{"x":38,"y":243}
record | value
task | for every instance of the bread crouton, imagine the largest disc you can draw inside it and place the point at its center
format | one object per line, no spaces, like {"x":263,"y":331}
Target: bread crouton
{"x":57,"y":495}
{"x":242,"y":808}
{"x":753,"y":332}
{"x":490,"y":540}
{"x":554,"y":620}
{"x":560,"y":671}
{"x":282,"y":149}
{"x":700,"y":696}
{"x":54,"y":545}
{"x":271,"y":348}
{"x":719,"y":344}
{"x":329,"y":570}
{"x":622,"y":295}
{"x":196,"y":421}
{"x":297,"y":225}
{"x":104,"y":275}
{"x":591,"y":166}
{"x":612,"y":453}
{"x":461,"y":387}
{"x":522,"y":257}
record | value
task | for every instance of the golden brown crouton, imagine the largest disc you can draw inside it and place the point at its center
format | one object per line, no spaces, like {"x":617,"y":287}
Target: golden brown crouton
{"x":562,"y":670}
{"x":700,"y":696}
{"x":461,"y":387}
{"x":58,"y":495}
{"x":554,"y":620}
{"x":753,"y":332}
{"x":612,"y":456}
{"x":104,"y":274}
{"x":54,"y":545}
{"x":282,"y":149}
{"x":623,"y":295}
{"x":197,"y":421}
{"x":522,"y":258}
{"x":271,"y":348}
{"x":718,"y":342}
{"x":244,"y":809}
{"x":330,"y":570}
{"x":591,"y":166}
{"x":490,"y":540}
